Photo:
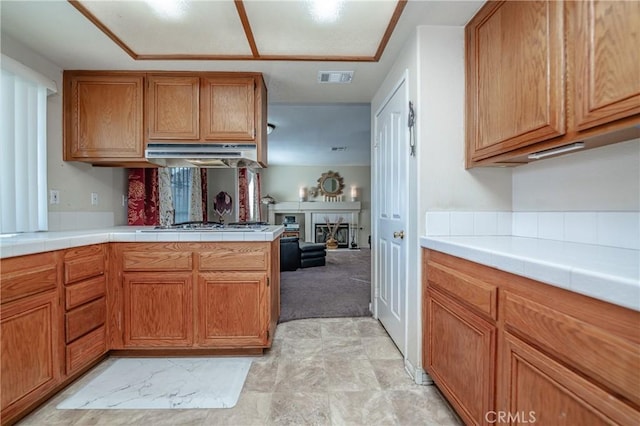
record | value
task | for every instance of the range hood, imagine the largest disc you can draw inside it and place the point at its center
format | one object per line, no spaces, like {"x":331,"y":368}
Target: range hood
{"x":202,"y":155}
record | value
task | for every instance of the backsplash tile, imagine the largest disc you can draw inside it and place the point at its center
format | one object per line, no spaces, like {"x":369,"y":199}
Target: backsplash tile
{"x":613,"y":229}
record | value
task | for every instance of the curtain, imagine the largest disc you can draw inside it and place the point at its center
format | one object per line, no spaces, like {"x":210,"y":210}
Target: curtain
{"x":243,"y":195}
{"x":23,"y":148}
{"x":143,"y":197}
{"x":203,"y":186}
{"x":257,"y":197}
{"x":165,"y":195}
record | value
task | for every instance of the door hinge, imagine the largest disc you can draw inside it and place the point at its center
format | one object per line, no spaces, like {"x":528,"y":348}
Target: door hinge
{"x":267,"y":334}
{"x":268,"y":281}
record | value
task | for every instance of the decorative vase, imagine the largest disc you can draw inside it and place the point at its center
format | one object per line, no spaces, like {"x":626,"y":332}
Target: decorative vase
{"x":332,"y":243}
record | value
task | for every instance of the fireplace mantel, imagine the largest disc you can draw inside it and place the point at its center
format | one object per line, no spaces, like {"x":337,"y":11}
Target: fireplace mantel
{"x":315,"y":211}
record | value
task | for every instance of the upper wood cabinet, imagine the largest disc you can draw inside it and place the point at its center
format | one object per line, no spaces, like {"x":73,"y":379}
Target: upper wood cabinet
{"x":515,"y":69}
{"x":103,"y":117}
{"x":228,"y":109}
{"x":523,"y":96}
{"x":109,"y":116}
{"x":173,"y":107}
{"x":607,"y":61}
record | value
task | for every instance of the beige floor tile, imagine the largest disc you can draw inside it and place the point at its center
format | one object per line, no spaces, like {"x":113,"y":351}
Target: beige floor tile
{"x":369,"y":327}
{"x":422,"y":405}
{"x":300,"y":376}
{"x":300,"y":408}
{"x":341,"y":329}
{"x":262,"y":377}
{"x":391,"y":374}
{"x":356,"y":375}
{"x":292,"y":348}
{"x":253,"y":408}
{"x":380,"y":348}
{"x":361,"y":408}
{"x":343,"y":349}
{"x":302,"y":329}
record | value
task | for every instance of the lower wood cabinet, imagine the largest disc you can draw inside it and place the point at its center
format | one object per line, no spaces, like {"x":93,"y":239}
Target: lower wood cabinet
{"x":157,"y":309}
{"x":30,"y":343}
{"x":232,"y":307}
{"x":505,"y":349}
{"x":194,"y":295}
{"x":543,"y":391}
{"x":461,"y":356}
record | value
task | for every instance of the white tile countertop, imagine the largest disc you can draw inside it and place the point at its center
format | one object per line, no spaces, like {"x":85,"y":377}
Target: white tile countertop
{"x":37,"y":242}
{"x":607,"y":273}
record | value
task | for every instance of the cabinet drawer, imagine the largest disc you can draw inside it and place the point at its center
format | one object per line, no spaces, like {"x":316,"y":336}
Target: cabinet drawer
{"x":235,"y":257}
{"x":27,"y":275}
{"x":84,"y":319}
{"x":83,"y":268}
{"x":156,"y":261}
{"x":86,"y":349}
{"x":479,"y":295}
{"x":83,"y":292}
{"x":573,"y":341}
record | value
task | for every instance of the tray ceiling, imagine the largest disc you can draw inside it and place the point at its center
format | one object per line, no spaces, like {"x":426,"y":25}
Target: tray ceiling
{"x":247,"y":29}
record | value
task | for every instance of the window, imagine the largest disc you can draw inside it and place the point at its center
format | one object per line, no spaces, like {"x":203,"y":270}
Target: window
{"x":180,"y":190}
{"x":23,"y":148}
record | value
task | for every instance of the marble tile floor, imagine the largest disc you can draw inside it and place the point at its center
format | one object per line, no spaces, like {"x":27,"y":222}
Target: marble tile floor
{"x":331,"y":371}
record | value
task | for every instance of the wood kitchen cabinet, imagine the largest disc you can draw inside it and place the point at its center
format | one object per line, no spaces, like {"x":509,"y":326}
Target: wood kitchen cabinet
{"x":157,"y":309}
{"x":208,"y":108}
{"x":194,"y":295}
{"x":606,"y":59}
{"x":30,"y":343}
{"x":556,"y":357}
{"x":85,"y":277}
{"x":544,"y":74}
{"x":103,"y":117}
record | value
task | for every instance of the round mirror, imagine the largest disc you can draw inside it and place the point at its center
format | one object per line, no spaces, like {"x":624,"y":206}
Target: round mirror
{"x":330,"y":184}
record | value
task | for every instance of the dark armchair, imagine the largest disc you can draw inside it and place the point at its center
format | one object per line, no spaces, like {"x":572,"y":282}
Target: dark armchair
{"x":296,"y":254}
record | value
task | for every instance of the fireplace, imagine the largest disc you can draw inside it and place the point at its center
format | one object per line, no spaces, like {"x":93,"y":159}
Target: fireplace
{"x":342,"y":234}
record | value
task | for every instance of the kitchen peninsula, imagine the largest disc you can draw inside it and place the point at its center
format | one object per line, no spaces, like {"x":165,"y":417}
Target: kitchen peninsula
{"x":68,"y":298}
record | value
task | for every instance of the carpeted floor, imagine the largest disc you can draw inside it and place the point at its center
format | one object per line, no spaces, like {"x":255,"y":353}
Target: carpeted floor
{"x":341,"y":288}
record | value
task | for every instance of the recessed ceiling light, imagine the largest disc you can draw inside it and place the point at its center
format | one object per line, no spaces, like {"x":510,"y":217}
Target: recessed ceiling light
{"x":325,"y":11}
{"x":335,"y":76}
{"x":168,"y":9}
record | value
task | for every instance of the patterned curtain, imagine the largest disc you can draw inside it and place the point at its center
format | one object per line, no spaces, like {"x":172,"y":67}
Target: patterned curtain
{"x":167,"y":209}
{"x":195,"y":196}
{"x":243,"y":195}
{"x":143,"y":197}
{"x":258,"y":197}
{"x":203,"y":185}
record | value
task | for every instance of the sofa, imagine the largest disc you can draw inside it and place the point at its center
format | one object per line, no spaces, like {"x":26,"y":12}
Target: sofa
{"x":296,"y":254}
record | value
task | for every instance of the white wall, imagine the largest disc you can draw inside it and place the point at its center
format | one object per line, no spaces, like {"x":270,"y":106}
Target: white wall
{"x":222,"y":180}
{"x":75,"y":181}
{"x":601,"y":179}
{"x":283,"y":184}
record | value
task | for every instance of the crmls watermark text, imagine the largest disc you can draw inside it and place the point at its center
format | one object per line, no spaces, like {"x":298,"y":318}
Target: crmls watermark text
{"x":501,"y":417}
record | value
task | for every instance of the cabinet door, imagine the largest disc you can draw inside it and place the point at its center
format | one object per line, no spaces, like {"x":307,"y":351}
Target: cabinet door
{"x":29,"y":348}
{"x":537,"y":389}
{"x":233,"y":309}
{"x":173,"y":107}
{"x":461,"y":356}
{"x":607,"y":61}
{"x":157,"y":309}
{"x":103,"y":117}
{"x":228,"y":108}
{"x":515,"y":76}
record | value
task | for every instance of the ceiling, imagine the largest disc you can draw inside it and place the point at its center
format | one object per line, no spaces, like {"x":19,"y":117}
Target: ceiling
{"x":283,"y":39}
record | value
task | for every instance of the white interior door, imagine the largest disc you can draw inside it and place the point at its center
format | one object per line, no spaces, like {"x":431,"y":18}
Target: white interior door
{"x":390,"y":177}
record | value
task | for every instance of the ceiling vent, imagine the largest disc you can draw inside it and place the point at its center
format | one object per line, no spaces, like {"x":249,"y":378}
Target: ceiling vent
{"x":338,"y":148}
{"x":337,"y":77}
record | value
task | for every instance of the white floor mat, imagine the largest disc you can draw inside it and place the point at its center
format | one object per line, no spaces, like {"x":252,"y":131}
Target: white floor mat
{"x":156,"y":383}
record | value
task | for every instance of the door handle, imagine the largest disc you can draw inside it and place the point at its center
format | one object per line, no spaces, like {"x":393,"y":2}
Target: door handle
{"x":398,"y":235}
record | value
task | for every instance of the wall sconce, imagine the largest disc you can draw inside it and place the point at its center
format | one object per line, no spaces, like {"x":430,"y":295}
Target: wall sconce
{"x":354,"y":193}
{"x":270,"y":128}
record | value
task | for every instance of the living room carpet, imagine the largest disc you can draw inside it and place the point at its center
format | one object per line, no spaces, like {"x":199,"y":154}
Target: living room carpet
{"x":341,"y":288}
{"x":157,"y":383}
